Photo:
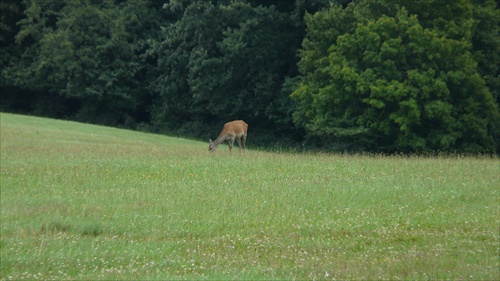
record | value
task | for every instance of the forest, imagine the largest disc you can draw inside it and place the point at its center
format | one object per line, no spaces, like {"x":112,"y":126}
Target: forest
{"x":399,"y":76}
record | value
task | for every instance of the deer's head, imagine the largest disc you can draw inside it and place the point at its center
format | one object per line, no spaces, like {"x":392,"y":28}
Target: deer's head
{"x":212,"y":146}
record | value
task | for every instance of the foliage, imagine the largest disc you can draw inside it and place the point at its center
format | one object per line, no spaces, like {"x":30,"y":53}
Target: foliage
{"x":10,"y":14}
{"x":87,"y":53}
{"x":374,"y":75}
{"x":379,"y":77}
{"x":221,"y":61}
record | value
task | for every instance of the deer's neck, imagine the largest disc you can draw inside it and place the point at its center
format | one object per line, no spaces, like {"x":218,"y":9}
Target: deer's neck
{"x":222,"y":137}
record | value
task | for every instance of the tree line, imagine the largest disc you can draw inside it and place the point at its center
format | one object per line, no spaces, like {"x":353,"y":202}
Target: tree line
{"x":362,"y":75}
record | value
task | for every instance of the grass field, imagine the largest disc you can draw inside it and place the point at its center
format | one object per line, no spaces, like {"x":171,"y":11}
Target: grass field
{"x":88,"y":202}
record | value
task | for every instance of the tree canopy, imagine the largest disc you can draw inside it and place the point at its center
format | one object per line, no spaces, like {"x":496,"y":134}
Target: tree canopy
{"x":381,"y":78}
{"x":404,"y":75}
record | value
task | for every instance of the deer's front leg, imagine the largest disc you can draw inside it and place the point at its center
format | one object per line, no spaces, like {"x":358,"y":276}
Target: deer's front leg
{"x":231,"y":143}
{"x":238,"y":139}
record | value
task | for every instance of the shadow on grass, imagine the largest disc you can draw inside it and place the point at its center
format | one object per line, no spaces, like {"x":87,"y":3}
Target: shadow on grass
{"x":57,"y":227}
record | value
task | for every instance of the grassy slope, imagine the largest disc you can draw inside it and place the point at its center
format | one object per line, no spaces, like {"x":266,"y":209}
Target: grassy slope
{"x":89,"y":202}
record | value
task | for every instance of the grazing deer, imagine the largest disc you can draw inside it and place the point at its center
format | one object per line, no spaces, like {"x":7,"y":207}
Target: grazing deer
{"x":232,"y":130}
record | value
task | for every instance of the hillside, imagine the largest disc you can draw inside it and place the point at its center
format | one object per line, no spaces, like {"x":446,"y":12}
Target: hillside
{"x":81,"y":201}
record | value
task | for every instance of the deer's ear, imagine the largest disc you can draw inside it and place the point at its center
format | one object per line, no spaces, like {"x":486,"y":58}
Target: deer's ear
{"x":210,"y":140}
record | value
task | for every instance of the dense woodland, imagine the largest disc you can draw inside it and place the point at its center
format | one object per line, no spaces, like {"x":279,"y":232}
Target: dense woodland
{"x":364,"y":75}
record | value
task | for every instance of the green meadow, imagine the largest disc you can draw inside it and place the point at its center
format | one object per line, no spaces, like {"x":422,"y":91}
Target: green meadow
{"x":80,"y":201}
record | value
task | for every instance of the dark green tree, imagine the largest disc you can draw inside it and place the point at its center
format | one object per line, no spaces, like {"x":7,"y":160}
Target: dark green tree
{"x":11,"y":11}
{"x":10,"y":14}
{"x":223,"y":60}
{"x":192,"y":26}
{"x":87,"y":57}
{"x":376,"y":77}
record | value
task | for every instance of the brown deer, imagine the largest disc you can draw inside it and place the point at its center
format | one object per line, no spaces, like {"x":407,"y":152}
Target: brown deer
{"x":232,"y":130}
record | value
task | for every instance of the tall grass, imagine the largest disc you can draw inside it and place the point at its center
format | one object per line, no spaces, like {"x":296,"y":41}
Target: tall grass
{"x":88,"y":202}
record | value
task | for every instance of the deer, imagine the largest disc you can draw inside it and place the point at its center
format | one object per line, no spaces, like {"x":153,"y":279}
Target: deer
{"x":232,"y":130}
